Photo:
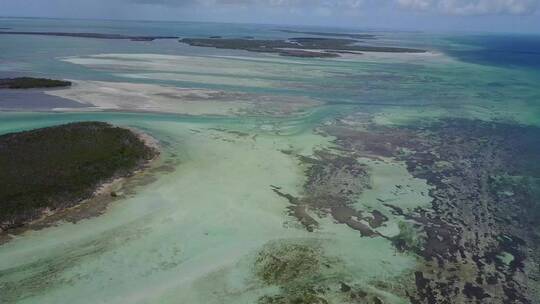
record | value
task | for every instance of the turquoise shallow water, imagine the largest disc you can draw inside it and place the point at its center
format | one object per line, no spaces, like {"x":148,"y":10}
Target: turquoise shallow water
{"x":482,"y":80}
{"x":191,"y":235}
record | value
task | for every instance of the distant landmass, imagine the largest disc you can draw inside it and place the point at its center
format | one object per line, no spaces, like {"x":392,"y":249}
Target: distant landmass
{"x":296,"y":47}
{"x":309,"y":47}
{"x":91,"y":35}
{"x":31,"y":83}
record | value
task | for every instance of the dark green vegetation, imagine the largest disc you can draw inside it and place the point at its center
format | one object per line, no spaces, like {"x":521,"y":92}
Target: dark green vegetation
{"x":30,"y":83}
{"x":298,"y":47}
{"x":57,"y":167}
{"x":91,"y":35}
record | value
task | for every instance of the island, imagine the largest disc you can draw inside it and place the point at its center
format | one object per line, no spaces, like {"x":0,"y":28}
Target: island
{"x":55,"y":168}
{"x":32,"y":83}
{"x":296,"y":47}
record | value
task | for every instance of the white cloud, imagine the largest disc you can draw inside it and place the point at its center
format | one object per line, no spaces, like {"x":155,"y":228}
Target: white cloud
{"x":473,"y":7}
{"x":451,"y":7}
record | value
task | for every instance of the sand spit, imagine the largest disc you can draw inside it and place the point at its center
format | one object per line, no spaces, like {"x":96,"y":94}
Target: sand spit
{"x":155,"y":98}
{"x":269,"y":71}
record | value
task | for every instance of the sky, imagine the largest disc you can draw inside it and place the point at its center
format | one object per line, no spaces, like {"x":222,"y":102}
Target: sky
{"x":436,"y":15}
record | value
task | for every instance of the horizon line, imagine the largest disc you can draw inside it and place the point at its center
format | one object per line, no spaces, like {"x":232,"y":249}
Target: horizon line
{"x":351,"y":27}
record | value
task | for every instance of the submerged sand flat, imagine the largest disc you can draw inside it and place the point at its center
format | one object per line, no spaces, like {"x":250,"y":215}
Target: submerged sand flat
{"x":123,"y":96}
{"x":193,"y":235}
{"x":229,"y":71}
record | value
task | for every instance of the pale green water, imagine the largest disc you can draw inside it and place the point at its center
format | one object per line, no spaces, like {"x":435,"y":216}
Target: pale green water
{"x":192,"y":234}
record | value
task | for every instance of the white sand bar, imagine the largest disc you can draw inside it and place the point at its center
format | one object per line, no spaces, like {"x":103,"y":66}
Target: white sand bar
{"x":156,"y":98}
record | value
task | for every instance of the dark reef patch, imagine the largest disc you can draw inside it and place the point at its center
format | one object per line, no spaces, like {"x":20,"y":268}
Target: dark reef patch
{"x":294,"y":268}
{"x":334,"y":183}
{"x":280,"y":264}
{"x":305,"y":274}
{"x":479,"y":240}
{"x":485,"y":205}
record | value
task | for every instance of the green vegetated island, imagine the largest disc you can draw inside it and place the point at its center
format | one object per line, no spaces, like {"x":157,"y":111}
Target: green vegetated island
{"x":297,"y":47}
{"x":58,"y":167}
{"x":31,"y":83}
{"x":326,"y":45}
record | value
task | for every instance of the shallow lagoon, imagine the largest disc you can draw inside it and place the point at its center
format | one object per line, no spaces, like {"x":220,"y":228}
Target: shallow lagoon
{"x":191,"y":234}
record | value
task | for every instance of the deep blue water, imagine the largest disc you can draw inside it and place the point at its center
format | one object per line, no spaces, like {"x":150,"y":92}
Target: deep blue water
{"x":499,"y":50}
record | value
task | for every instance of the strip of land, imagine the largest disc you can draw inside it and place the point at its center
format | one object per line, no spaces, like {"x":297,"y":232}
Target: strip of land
{"x":297,"y":47}
{"x":90,"y":35}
